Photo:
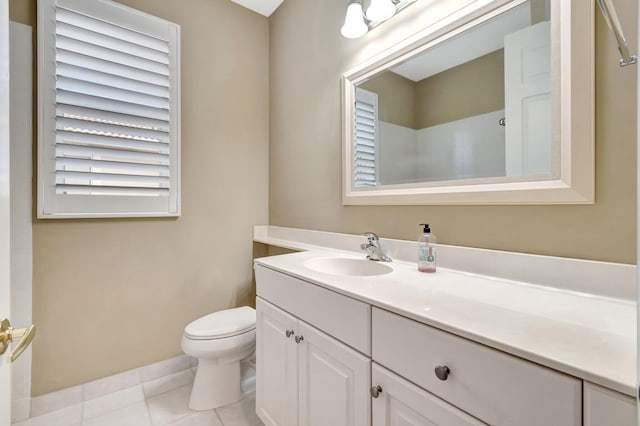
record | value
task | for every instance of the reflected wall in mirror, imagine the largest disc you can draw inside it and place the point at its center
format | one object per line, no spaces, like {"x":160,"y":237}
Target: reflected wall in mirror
{"x":472,"y":107}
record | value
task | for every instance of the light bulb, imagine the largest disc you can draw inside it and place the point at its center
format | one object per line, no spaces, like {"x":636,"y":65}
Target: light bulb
{"x":380,"y":10}
{"x":354,"y":25}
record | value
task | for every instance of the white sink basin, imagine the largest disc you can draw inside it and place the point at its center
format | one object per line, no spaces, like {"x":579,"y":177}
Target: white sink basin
{"x":347,"y":266}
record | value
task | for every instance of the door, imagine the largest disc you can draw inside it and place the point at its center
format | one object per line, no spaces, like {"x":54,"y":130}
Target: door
{"x":5,"y":367}
{"x":333,"y":382}
{"x":396,"y":402}
{"x":527,"y":95}
{"x":276,"y":365}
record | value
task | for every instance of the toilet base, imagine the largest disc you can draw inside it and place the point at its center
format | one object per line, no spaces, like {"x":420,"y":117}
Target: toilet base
{"x":216,"y":384}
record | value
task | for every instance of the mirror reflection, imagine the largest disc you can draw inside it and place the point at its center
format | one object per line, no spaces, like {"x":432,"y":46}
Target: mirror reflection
{"x":477,"y":106}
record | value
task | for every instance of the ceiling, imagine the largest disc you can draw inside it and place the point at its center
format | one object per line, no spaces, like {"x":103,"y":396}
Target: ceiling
{"x":471,"y":44}
{"x":263,"y":7}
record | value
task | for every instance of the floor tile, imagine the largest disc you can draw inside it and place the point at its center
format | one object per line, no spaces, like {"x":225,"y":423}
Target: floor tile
{"x":56,"y":400}
{"x":69,"y":416}
{"x":167,"y":383}
{"x":202,"y":418}
{"x":241,"y":413}
{"x":170,"y":406}
{"x":113,"y":401}
{"x":164,"y":368}
{"x":98,"y":388}
{"x":133,"y":415}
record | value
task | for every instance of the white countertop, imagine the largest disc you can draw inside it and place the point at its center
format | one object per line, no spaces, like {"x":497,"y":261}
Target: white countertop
{"x":588,"y":336}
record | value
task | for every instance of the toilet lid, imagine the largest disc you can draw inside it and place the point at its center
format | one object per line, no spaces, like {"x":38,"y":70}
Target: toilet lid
{"x":226,"y":323}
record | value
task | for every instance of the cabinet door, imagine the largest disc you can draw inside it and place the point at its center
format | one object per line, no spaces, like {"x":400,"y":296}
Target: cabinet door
{"x":334,"y":381}
{"x":276,"y":366}
{"x":604,"y":407}
{"x":401,"y":403}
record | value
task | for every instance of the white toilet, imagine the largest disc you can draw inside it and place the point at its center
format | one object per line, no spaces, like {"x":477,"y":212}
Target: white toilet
{"x":220,"y":341}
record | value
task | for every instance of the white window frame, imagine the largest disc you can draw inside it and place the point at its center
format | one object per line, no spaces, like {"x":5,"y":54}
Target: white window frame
{"x":53,"y":205}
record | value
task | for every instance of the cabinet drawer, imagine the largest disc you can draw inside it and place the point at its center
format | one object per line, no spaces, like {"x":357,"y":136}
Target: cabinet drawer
{"x":346,"y":319}
{"x":403,"y":403}
{"x":493,"y":386}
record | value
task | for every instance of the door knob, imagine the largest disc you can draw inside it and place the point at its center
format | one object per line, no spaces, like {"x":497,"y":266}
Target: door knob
{"x":8,"y":334}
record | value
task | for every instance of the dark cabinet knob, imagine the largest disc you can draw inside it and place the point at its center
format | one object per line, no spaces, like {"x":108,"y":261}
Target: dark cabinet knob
{"x":442,"y":372}
{"x":299,"y":339}
{"x":289,"y":333}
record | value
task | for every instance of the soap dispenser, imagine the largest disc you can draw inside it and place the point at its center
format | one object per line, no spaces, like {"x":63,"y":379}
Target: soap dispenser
{"x":426,"y":250}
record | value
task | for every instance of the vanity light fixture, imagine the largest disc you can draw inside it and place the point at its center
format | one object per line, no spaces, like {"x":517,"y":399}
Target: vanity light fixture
{"x":357,"y":23}
{"x":381,"y":10}
{"x":354,"y":25}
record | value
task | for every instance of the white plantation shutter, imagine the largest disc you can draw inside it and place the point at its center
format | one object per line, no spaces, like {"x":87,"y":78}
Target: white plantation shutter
{"x":109,"y":111}
{"x":365,"y":138}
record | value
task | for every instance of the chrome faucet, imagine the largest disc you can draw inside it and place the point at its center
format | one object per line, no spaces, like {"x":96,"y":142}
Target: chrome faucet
{"x":372,"y":247}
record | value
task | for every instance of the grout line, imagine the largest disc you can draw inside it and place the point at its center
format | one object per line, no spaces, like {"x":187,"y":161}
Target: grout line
{"x":146,"y":404}
{"x":215,"y":411}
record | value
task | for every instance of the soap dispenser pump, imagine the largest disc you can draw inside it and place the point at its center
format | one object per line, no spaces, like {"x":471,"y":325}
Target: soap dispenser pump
{"x":426,"y":250}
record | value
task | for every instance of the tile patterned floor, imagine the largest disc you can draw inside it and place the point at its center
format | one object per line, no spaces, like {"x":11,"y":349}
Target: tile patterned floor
{"x":158,"y":402}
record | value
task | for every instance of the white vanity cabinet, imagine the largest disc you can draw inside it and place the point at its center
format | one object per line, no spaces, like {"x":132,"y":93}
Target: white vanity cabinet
{"x":324,"y":358}
{"x":304,"y":376}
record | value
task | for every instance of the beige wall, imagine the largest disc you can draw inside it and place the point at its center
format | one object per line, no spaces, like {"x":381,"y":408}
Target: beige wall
{"x":396,"y":98}
{"x":111,"y":295}
{"x":308,"y":56}
{"x":473,"y":88}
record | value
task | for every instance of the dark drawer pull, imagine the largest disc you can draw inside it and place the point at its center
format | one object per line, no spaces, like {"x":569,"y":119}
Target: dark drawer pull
{"x":442,"y":372}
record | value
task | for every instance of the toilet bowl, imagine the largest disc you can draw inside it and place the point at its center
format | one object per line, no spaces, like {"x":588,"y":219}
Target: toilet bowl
{"x":220,"y":341}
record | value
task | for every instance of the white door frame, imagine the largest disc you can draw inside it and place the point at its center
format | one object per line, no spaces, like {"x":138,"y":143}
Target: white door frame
{"x":5,"y":228}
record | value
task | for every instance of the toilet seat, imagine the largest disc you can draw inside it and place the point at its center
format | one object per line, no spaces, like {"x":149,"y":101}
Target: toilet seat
{"x":221,"y":324}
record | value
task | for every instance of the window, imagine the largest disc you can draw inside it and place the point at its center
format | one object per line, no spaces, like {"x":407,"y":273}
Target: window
{"x":109,"y":118}
{"x":365,"y":138}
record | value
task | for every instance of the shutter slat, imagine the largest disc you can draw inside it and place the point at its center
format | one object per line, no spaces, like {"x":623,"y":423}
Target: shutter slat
{"x":111,"y":93}
{"x":93,"y":153}
{"x":365,"y":170}
{"x":84,"y":139}
{"x":363,"y":106}
{"x":366,"y":163}
{"x":365,"y":156}
{"x":63,"y":189}
{"x":105,"y":79}
{"x":367,"y":149}
{"x":366,"y":138}
{"x":89,"y":63}
{"x":95,"y":102}
{"x":110,"y":130}
{"x":100,"y":116}
{"x":110,"y":167}
{"x":99,"y":52}
{"x":106,"y":179}
{"x":365,"y":127}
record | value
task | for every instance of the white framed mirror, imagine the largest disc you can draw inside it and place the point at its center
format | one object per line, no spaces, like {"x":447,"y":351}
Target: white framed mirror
{"x":492,"y":105}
